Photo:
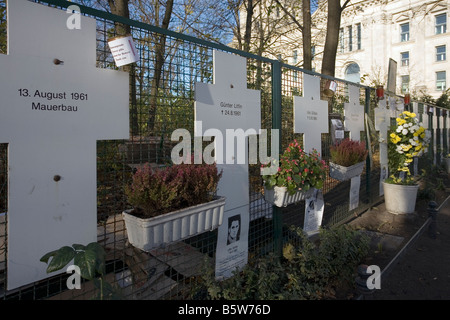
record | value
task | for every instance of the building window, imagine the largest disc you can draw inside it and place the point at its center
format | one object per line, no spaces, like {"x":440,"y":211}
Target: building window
{"x":358,"y":36}
{"x":313,"y":52}
{"x":294,"y":57}
{"x":405,"y":58}
{"x":404,"y":32}
{"x":405,"y":84}
{"x":341,"y":40}
{"x":441,"y":53}
{"x":440,"y":81}
{"x":441,"y":23}
{"x":352,"y":73}
{"x":350,"y":40}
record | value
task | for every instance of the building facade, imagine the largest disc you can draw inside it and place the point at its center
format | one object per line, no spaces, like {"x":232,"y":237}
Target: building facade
{"x":413,"y":33}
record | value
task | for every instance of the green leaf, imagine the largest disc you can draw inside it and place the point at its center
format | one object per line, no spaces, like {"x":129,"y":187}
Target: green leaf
{"x":272,"y":182}
{"x":78,"y":247}
{"x":100,"y":255}
{"x":48,"y":256}
{"x":86,"y":261}
{"x":319,"y":184}
{"x":61,"y":258}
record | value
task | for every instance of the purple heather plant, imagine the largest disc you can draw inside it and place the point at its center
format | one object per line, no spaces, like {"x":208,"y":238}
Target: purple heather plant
{"x":156,"y":191}
{"x":348,"y":152}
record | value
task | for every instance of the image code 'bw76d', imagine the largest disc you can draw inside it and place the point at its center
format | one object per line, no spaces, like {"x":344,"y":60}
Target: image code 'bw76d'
{"x":233,"y":309}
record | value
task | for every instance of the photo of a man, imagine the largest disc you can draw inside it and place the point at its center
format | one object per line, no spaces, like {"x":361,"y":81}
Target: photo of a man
{"x":234,"y":230}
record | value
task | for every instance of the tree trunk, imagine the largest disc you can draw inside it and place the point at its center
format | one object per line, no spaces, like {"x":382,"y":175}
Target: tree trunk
{"x":160,"y":46}
{"x":248,"y":25}
{"x":306,"y":35}
{"x":120,"y":8}
{"x":332,"y":37}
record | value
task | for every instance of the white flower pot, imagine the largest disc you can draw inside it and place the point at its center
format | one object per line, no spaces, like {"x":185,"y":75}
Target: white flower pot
{"x":342,"y":173}
{"x":400,"y":199}
{"x":281,"y":198}
{"x":150,"y":233}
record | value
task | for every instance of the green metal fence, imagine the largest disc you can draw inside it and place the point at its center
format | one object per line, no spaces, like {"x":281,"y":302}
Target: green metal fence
{"x":162,"y":100}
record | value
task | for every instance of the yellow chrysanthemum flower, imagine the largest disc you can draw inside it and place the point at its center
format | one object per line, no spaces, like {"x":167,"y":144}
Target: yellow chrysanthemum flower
{"x":400,"y":121}
{"x":406,"y":147}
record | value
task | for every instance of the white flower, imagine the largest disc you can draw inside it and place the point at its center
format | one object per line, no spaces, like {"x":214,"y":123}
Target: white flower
{"x":405,"y":131}
{"x":400,"y":128}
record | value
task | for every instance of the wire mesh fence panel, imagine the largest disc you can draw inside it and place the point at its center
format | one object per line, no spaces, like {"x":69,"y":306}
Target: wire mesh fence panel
{"x":3,"y":209}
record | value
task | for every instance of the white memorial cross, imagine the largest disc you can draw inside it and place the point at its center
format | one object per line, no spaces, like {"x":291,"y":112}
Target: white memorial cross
{"x":311,"y":119}
{"x":228,"y":106}
{"x":382,"y":124}
{"x":311,"y":114}
{"x":52,"y":115}
{"x":354,"y":114}
{"x":354,"y":122}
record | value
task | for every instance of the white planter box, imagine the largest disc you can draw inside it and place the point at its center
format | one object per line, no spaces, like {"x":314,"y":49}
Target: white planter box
{"x":281,"y":198}
{"x":341,"y":173}
{"x":150,"y":233}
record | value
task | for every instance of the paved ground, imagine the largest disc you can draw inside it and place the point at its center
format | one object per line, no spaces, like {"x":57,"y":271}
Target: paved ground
{"x":423,"y":270}
{"x":414,"y":265}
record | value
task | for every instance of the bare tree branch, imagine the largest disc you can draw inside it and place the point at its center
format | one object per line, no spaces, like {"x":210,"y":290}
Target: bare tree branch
{"x":290,"y":15}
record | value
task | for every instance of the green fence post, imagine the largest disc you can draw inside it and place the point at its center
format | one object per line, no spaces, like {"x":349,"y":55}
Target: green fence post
{"x":438,"y":137}
{"x":444,"y":133}
{"x":276,"y":125}
{"x":368,"y":169}
{"x":430,"y":127}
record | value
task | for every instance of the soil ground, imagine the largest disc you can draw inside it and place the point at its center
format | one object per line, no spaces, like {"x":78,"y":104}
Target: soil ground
{"x":413,"y":267}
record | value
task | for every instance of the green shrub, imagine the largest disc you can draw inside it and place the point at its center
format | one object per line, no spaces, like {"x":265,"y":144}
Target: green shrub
{"x":305,"y":271}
